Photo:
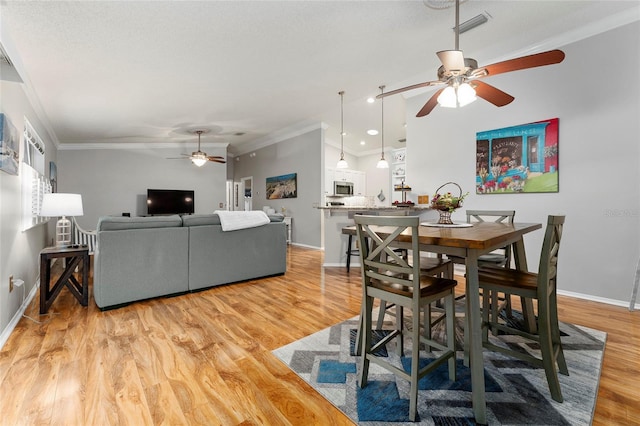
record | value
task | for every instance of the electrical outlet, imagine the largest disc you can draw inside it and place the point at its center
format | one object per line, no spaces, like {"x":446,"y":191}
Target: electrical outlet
{"x":10,"y":283}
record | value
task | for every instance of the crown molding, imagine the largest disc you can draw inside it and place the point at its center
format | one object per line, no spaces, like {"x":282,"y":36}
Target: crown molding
{"x":279,"y":136}
{"x":128,"y":146}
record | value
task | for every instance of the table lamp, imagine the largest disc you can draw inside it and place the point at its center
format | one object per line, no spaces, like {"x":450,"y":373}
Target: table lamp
{"x":59,"y":204}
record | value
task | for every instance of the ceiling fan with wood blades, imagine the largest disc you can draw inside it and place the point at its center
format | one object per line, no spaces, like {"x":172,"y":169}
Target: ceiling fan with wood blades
{"x":199,"y":158}
{"x":461,"y":76}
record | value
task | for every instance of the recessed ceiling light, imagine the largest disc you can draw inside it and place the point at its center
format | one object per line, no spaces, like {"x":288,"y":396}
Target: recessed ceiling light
{"x":372,"y":132}
{"x":371,"y":100}
{"x":362,"y":142}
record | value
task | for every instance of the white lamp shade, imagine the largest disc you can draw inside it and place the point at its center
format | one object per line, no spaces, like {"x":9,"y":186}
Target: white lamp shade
{"x":448,"y":97}
{"x":342,"y":164}
{"x":382,"y":164}
{"x":198,"y":161}
{"x":466,"y":94}
{"x":61,"y":204}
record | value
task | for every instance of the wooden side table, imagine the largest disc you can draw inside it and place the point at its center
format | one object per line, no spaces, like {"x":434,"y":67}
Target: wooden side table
{"x":73,"y":256}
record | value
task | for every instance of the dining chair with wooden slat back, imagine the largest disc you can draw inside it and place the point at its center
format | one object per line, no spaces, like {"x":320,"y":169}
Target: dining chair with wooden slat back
{"x":389,"y":276}
{"x":541,"y":287}
{"x":500,"y":257}
{"x":432,"y":266}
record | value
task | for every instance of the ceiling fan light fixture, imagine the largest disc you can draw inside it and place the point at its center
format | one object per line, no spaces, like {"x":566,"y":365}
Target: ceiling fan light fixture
{"x":448,"y":98}
{"x":198,"y":159}
{"x":466,"y":94}
{"x":457,"y":97}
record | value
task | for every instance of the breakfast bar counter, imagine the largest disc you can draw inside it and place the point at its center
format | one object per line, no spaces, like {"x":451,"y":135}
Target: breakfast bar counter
{"x":337,"y":217}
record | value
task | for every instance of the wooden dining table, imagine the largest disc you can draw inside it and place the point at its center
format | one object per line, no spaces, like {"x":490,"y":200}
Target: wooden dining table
{"x":470,"y":242}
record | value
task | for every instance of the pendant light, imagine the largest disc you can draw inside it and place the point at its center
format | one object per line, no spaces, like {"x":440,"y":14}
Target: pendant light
{"x":342,"y":163}
{"x":382,"y":163}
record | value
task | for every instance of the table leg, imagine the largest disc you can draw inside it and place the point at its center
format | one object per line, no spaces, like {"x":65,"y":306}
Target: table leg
{"x":45,"y":277}
{"x":86,"y":264}
{"x":527,"y":304}
{"x":475,"y":338}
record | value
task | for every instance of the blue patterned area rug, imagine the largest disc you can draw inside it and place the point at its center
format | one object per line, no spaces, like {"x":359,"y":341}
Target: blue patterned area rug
{"x":517,"y":392}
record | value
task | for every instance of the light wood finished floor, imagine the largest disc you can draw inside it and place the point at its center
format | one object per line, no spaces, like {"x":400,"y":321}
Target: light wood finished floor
{"x":205,"y":358}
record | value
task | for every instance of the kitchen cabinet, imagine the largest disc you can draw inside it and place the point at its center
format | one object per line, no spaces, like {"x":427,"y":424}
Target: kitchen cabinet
{"x":356,"y":177}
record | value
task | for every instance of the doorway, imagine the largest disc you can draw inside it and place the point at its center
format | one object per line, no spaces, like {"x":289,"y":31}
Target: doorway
{"x":246,"y":184}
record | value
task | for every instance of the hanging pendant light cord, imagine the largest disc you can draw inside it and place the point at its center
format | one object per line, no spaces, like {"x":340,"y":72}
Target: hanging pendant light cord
{"x":342,"y":163}
{"x":341,"y":124}
{"x":382,"y":164}
{"x":382,"y":125}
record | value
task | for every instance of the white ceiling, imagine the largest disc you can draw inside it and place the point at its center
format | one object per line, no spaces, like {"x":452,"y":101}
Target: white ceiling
{"x":134,"y":71}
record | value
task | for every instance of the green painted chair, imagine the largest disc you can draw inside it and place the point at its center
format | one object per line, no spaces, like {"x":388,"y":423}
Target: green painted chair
{"x":540,"y":287}
{"x":389,"y":276}
{"x":500,"y":257}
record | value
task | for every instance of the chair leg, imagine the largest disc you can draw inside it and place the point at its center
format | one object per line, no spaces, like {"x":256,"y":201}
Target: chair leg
{"x":547,"y":350}
{"x":486,"y":319}
{"x":495,"y":310}
{"x":349,"y":253}
{"x":450,"y":312}
{"x":555,"y":336}
{"x":381,"y":314}
{"x":366,"y":340}
{"x":400,"y":328}
{"x":427,"y":325}
{"x":507,"y":305}
{"x":415,"y":359}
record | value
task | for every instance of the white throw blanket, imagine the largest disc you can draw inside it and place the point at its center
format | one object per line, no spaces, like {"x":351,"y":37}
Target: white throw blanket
{"x":234,"y":220}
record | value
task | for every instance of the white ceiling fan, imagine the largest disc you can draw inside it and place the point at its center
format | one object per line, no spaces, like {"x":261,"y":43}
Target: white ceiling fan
{"x":461,"y":76}
{"x":199,"y":158}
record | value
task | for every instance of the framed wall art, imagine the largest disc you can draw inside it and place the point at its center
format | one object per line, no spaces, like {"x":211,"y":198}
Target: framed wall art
{"x":518,"y":159}
{"x":9,"y":156}
{"x":283,"y":186}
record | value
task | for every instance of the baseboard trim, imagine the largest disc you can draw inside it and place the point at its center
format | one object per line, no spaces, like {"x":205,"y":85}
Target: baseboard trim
{"x":597,"y":299}
{"x":16,"y":318}
{"x":460,"y":269}
{"x":305,"y":246}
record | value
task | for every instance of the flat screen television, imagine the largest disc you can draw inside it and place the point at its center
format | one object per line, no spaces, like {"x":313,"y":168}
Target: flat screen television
{"x":169,"y":201}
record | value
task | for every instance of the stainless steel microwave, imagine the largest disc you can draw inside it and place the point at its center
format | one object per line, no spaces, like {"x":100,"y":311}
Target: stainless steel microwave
{"x":342,"y":188}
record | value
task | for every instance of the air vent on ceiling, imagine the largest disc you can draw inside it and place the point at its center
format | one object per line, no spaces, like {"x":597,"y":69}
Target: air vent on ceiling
{"x":470,"y":24}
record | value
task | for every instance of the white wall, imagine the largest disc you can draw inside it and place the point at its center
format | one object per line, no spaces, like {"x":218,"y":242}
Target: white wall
{"x":598,"y":106}
{"x":19,"y":250}
{"x":115,"y":181}
{"x":301,"y":154}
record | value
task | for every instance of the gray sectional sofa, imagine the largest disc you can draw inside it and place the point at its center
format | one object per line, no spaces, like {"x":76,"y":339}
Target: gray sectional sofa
{"x":139,"y":258}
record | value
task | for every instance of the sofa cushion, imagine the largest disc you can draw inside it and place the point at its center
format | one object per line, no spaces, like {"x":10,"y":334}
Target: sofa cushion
{"x":118,"y":223}
{"x":200,"y":220}
{"x":276,"y":217}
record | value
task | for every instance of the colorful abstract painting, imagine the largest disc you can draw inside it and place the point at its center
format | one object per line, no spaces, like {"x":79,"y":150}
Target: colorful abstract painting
{"x":518,"y":159}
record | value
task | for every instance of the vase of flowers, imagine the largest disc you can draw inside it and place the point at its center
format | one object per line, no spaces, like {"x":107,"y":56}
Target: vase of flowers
{"x":447,"y":203}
